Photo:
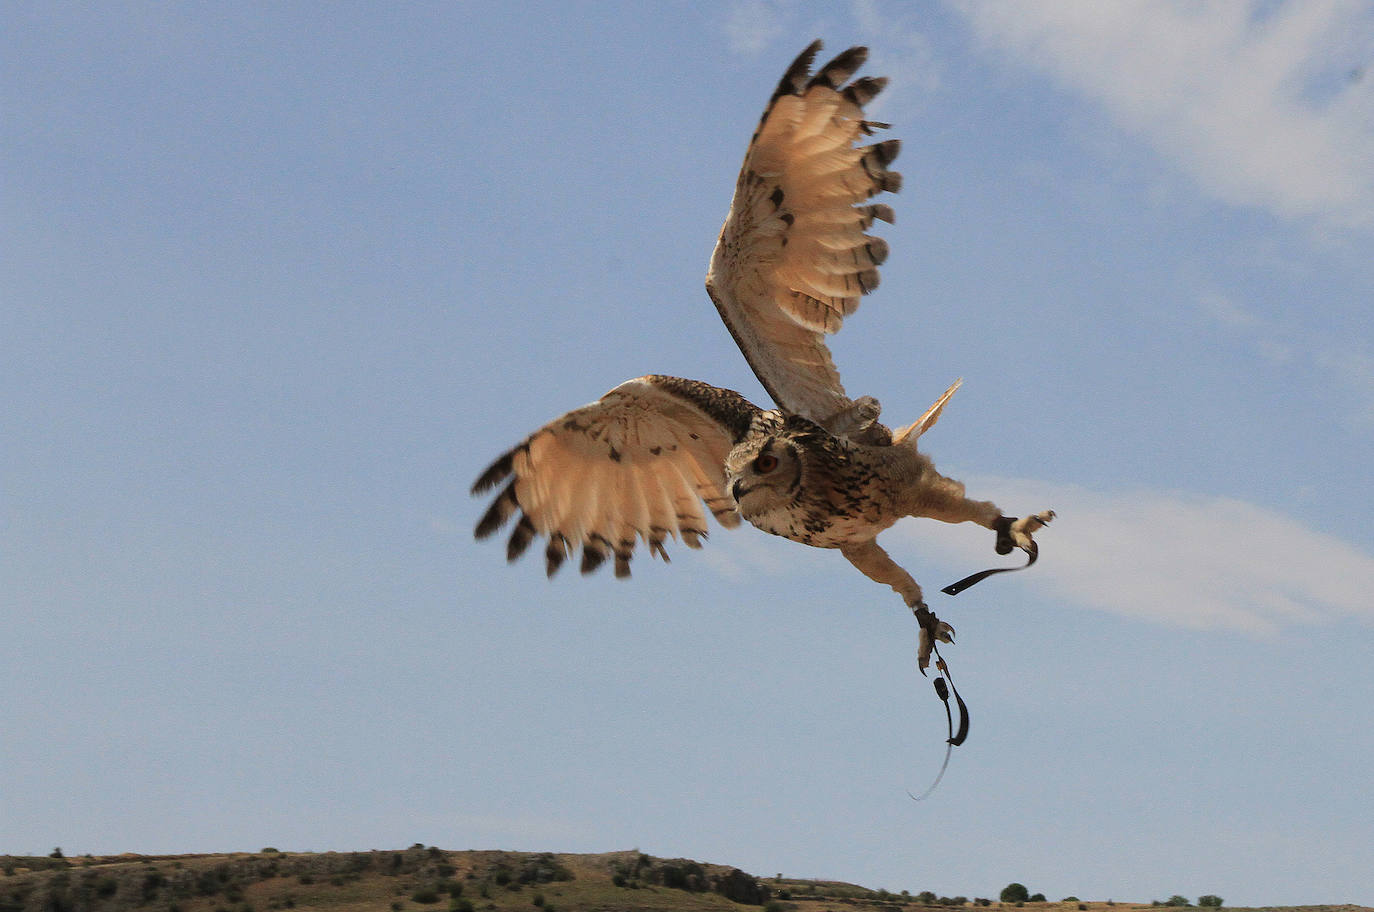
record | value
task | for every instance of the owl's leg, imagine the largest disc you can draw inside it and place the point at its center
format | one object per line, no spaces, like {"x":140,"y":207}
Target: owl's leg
{"x":854,"y":421}
{"x":874,"y":563}
{"x":944,"y":499}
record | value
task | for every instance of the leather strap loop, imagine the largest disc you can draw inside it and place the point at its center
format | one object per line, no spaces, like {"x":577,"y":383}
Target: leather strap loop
{"x":955,"y":588}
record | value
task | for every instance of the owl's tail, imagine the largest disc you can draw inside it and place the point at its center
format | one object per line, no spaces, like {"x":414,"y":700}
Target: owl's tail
{"x":927,"y":421}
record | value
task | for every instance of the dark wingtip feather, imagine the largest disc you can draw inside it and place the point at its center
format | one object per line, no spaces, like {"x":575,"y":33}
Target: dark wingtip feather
{"x":500,"y":510}
{"x":554,"y":555}
{"x":520,"y":538}
{"x":885,"y":152}
{"x":862,"y":91}
{"x":803,"y":61}
{"x":794,"y":80}
{"x":834,"y":73}
{"x":880,"y":211}
{"x":878,"y":250}
{"x":875,"y":160}
{"x":495,"y":472}
{"x":592,"y":557}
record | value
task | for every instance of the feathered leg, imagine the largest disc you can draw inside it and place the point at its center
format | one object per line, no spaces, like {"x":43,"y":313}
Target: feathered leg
{"x":944,"y":499}
{"x":874,"y":563}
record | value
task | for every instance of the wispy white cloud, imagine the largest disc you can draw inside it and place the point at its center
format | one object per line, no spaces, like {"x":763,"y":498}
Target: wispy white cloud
{"x":1346,"y":362}
{"x":1186,"y":560}
{"x":899,"y":50}
{"x":898,"y":46}
{"x":1261,"y":104}
{"x":752,"y":25}
{"x":1223,"y":310}
{"x":1354,"y":367}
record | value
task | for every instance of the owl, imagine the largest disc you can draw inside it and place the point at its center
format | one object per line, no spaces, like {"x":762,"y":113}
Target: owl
{"x":648,"y":460}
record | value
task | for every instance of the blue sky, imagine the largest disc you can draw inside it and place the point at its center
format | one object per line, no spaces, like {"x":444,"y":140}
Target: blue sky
{"x":280,"y":279}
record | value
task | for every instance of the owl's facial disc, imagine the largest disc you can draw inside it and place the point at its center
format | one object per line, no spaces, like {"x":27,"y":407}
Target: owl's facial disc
{"x":766,"y":481}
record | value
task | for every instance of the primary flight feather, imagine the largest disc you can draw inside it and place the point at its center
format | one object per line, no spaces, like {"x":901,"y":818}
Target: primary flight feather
{"x":648,"y":460}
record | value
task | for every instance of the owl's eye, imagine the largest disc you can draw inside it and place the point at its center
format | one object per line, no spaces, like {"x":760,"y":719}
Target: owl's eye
{"x":766,"y":463}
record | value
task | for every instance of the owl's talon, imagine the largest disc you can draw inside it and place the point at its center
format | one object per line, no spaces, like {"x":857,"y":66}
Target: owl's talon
{"x":1017,"y":533}
{"x":932,"y":628}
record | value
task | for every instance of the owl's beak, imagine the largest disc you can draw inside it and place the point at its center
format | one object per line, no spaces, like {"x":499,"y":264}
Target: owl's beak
{"x":737,"y":489}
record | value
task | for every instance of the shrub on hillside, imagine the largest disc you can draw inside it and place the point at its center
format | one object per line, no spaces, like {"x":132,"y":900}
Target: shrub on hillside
{"x":679,"y":875}
{"x":1014,"y":893}
{"x":741,"y":888}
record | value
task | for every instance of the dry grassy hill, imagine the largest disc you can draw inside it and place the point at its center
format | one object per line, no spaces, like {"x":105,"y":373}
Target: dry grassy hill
{"x":421,"y":879}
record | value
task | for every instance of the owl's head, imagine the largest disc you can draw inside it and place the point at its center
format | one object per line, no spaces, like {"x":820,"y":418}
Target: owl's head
{"x":768,"y":473}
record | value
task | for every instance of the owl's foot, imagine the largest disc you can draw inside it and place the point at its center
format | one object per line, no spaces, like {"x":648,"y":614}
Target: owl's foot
{"x":932,"y":628}
{"x":1016,"y":533}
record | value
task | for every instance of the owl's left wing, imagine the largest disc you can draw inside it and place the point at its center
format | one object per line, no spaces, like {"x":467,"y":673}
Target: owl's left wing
{"x":793,"y":260}
{"x":637,"y":464}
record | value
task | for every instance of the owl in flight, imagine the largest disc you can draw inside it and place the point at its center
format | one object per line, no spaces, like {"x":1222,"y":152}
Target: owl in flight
{"x":791,"y":263}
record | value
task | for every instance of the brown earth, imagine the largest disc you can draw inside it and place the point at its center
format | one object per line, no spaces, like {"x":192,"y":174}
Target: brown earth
{"x":421,"y":879}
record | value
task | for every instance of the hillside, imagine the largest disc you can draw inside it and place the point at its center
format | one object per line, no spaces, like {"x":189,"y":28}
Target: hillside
{"x":421,"y":879}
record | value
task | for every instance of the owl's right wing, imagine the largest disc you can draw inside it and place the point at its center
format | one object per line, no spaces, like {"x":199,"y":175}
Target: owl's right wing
{"x":639,"y":463}
{"x":793,"y":259}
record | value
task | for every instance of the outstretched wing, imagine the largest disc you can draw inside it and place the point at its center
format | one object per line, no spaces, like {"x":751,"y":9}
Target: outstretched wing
{"x":636,"y":464}
{"x":793,"y":260}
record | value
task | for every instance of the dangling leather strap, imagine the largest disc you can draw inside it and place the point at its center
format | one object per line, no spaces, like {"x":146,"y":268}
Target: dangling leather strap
{"x":955,"y":588}
{"x":955,"y":738}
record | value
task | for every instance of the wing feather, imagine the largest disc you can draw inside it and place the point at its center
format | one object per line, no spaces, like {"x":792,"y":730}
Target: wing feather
{"x":636,"y":465}
{"x":793,"y":259}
